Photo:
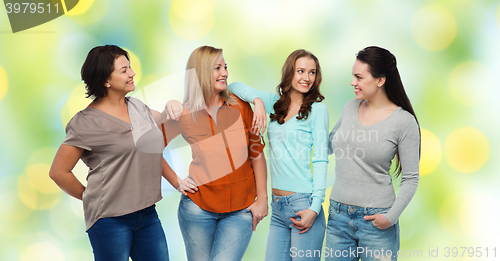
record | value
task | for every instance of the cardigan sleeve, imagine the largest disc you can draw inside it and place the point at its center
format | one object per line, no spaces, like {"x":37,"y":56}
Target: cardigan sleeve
{"x":320,"y":154}
{"x":248,"y":94}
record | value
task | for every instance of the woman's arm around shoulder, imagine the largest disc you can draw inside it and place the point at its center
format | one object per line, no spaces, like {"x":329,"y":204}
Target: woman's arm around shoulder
{"x":173,"y":110}
{"x":263,"y":101}
{"x":249,"y":94}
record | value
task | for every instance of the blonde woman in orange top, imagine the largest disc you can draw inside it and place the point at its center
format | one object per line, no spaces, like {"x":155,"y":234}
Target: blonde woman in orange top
{"x":224,"y":195}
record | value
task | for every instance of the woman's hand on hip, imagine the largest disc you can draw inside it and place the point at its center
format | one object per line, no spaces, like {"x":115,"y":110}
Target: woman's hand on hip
{"x":188,"y":185}
{"x":259,"y":211}
{"x":379,"y":221}
{"x":307,"y":218}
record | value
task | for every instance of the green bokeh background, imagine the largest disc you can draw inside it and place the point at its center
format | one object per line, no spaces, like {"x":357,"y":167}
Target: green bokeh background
{"x":448,"y":57}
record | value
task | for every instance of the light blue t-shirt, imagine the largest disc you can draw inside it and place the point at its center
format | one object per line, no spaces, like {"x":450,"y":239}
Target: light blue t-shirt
{"x":291,"y":144}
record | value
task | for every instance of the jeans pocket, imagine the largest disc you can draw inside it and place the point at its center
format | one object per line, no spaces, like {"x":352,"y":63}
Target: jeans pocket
{"x":375,"y":211}
{"x":331,"y":212}
{"x":300,"y":204}
{"x":185,"y":200}
{"x":247,"y":212}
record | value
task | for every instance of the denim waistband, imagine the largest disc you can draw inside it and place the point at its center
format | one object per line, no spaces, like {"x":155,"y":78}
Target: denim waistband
{"x":292,"y":197}
{"x":352,"y":210}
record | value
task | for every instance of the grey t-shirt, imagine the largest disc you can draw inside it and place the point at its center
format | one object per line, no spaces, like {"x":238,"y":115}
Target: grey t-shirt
{"x":363,"y":156}
{"x":124,"y":160}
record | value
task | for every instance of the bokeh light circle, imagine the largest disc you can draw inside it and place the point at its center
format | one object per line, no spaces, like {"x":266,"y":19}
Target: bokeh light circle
{"x":65,"y":222}
{"x":467,"y":149}
{"x":470,"y":83}
{"x":13,"y":209}
{"x":42,"y":155}
{"x":38,"y":176}
{"x":82,"y":7}
{"x":43,"y":251}
{"x":3,"y":83}
{"x":76,"y":102}
{"x":433,"y":28}
{"x":191,"y":19}
{"x":27,"y":193}
{"x":431,"y":152}
{"x":72,"y":50}
{"x":450,"y":213}
{"x":35,"y":190}
{"x":89,"y":12}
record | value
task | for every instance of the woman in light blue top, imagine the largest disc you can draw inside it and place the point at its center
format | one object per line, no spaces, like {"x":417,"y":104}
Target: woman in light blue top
{"x":299,"y":126}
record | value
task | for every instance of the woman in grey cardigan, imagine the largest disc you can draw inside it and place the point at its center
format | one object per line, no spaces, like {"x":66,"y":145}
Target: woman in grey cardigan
{"x":378,"y":125}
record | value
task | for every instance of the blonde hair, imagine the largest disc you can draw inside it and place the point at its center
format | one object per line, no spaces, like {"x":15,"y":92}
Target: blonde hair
{"x":198,"y":87}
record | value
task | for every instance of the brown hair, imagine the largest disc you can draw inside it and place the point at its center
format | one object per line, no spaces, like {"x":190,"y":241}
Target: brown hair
{"x":313,"y":95}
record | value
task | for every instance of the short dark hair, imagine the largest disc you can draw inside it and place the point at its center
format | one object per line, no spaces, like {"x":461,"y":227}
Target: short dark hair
{"x":97,"y":68}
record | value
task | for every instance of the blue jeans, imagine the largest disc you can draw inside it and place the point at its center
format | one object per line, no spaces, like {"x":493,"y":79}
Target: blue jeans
{"x":350,"y":237}
{"x":214,"y":236}
{"x":284,"y":241}
{"x":138,"y":235}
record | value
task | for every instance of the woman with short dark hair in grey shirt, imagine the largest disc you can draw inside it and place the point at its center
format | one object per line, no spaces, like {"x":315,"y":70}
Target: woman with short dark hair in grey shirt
{"x":378,"y":125}
{"x":119,"y":140}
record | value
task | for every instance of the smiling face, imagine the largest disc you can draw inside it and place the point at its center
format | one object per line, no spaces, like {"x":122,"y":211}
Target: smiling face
{"x":365,"y":86}
{"x":219,"y":76}
{"x":122,"y":77}
{"x":304,"y":75}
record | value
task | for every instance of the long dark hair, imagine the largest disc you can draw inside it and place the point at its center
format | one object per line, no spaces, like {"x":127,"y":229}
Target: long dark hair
{"x":382,"y":63}
{"x":313,"y":95}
